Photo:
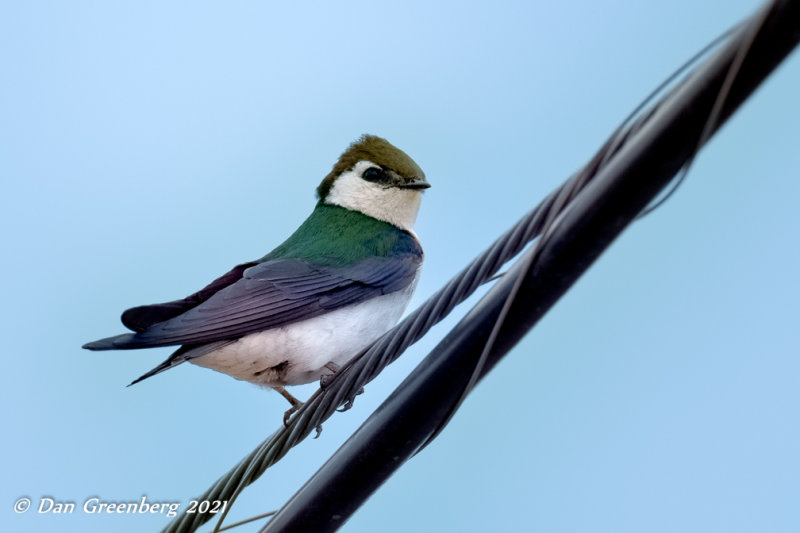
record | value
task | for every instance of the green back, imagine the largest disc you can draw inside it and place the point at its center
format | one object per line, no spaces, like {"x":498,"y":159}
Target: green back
{"x":338,"y":237}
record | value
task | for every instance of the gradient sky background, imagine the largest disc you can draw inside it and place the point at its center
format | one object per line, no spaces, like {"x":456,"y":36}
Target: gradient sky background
{"x":147,"y":147}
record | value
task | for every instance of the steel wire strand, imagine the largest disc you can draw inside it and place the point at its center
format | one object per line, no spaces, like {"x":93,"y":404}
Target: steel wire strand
{"x":340,"y":390}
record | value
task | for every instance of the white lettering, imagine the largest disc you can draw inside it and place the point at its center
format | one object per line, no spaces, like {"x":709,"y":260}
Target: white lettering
{"x":50,"y":505}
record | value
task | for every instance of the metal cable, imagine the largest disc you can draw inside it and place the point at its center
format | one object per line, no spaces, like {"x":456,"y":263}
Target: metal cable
{"x":341,"y":389}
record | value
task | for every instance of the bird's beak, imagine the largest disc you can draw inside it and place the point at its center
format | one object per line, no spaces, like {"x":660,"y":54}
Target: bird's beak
{"x":415,"y":184}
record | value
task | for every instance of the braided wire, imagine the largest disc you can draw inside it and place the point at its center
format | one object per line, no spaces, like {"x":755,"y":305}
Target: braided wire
{"x":342,"y":388}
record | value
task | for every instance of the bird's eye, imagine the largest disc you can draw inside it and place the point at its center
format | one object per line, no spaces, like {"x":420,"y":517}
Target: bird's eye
{"x":372,"y":174}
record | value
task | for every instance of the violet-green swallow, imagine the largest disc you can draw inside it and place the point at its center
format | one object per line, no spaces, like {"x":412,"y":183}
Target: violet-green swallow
{"x":307,"y":307}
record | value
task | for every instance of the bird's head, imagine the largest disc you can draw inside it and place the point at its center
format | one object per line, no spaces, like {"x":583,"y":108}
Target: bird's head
{"x":377,"y":179}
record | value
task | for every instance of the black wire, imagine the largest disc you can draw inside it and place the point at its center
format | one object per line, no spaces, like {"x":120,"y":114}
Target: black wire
{"x":344,"y":386}
{"x":632,"y":123}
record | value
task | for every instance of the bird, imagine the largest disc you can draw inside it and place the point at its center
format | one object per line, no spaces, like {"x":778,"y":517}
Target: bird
{"x":303,"y":310}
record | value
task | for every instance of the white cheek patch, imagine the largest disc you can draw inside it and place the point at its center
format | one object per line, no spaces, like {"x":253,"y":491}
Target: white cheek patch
{"x":390,"y":204}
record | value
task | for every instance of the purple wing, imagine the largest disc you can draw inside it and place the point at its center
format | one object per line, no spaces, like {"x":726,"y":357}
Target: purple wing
{"x":267,"y":295}
{"x":142,"y":317}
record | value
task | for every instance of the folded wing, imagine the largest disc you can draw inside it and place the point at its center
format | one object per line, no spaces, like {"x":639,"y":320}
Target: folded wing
{"x":267,"y":295}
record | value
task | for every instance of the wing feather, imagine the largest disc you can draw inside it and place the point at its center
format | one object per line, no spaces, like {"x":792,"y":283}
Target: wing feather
{"x":271,"y":294}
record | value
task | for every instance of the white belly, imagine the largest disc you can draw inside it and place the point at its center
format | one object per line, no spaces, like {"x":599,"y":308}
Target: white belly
{"x":298,"y":353}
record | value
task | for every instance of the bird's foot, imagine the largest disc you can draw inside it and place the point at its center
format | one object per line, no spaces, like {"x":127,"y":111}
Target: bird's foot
{"x":289,"y":412}
{"x":296,"y":404}
{"x":326,"y":378}
{"x":349,"y":403}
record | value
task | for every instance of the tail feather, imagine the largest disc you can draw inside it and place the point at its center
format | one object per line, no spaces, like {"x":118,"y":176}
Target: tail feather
{"x":181,"y":355}
{"x":166,"y":365}
{"x":117,"y":342}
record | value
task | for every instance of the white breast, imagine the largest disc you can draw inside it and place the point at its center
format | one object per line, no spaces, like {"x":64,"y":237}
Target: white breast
{"x":298,"y":353}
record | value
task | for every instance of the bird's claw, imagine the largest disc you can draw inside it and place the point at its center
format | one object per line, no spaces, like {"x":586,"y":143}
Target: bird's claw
{"x":325,"y":379}
{"x":347,"y":405}
{"x":290,"y":411}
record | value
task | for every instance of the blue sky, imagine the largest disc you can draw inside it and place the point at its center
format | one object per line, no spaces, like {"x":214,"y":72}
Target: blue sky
{"x":147,"y":147}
